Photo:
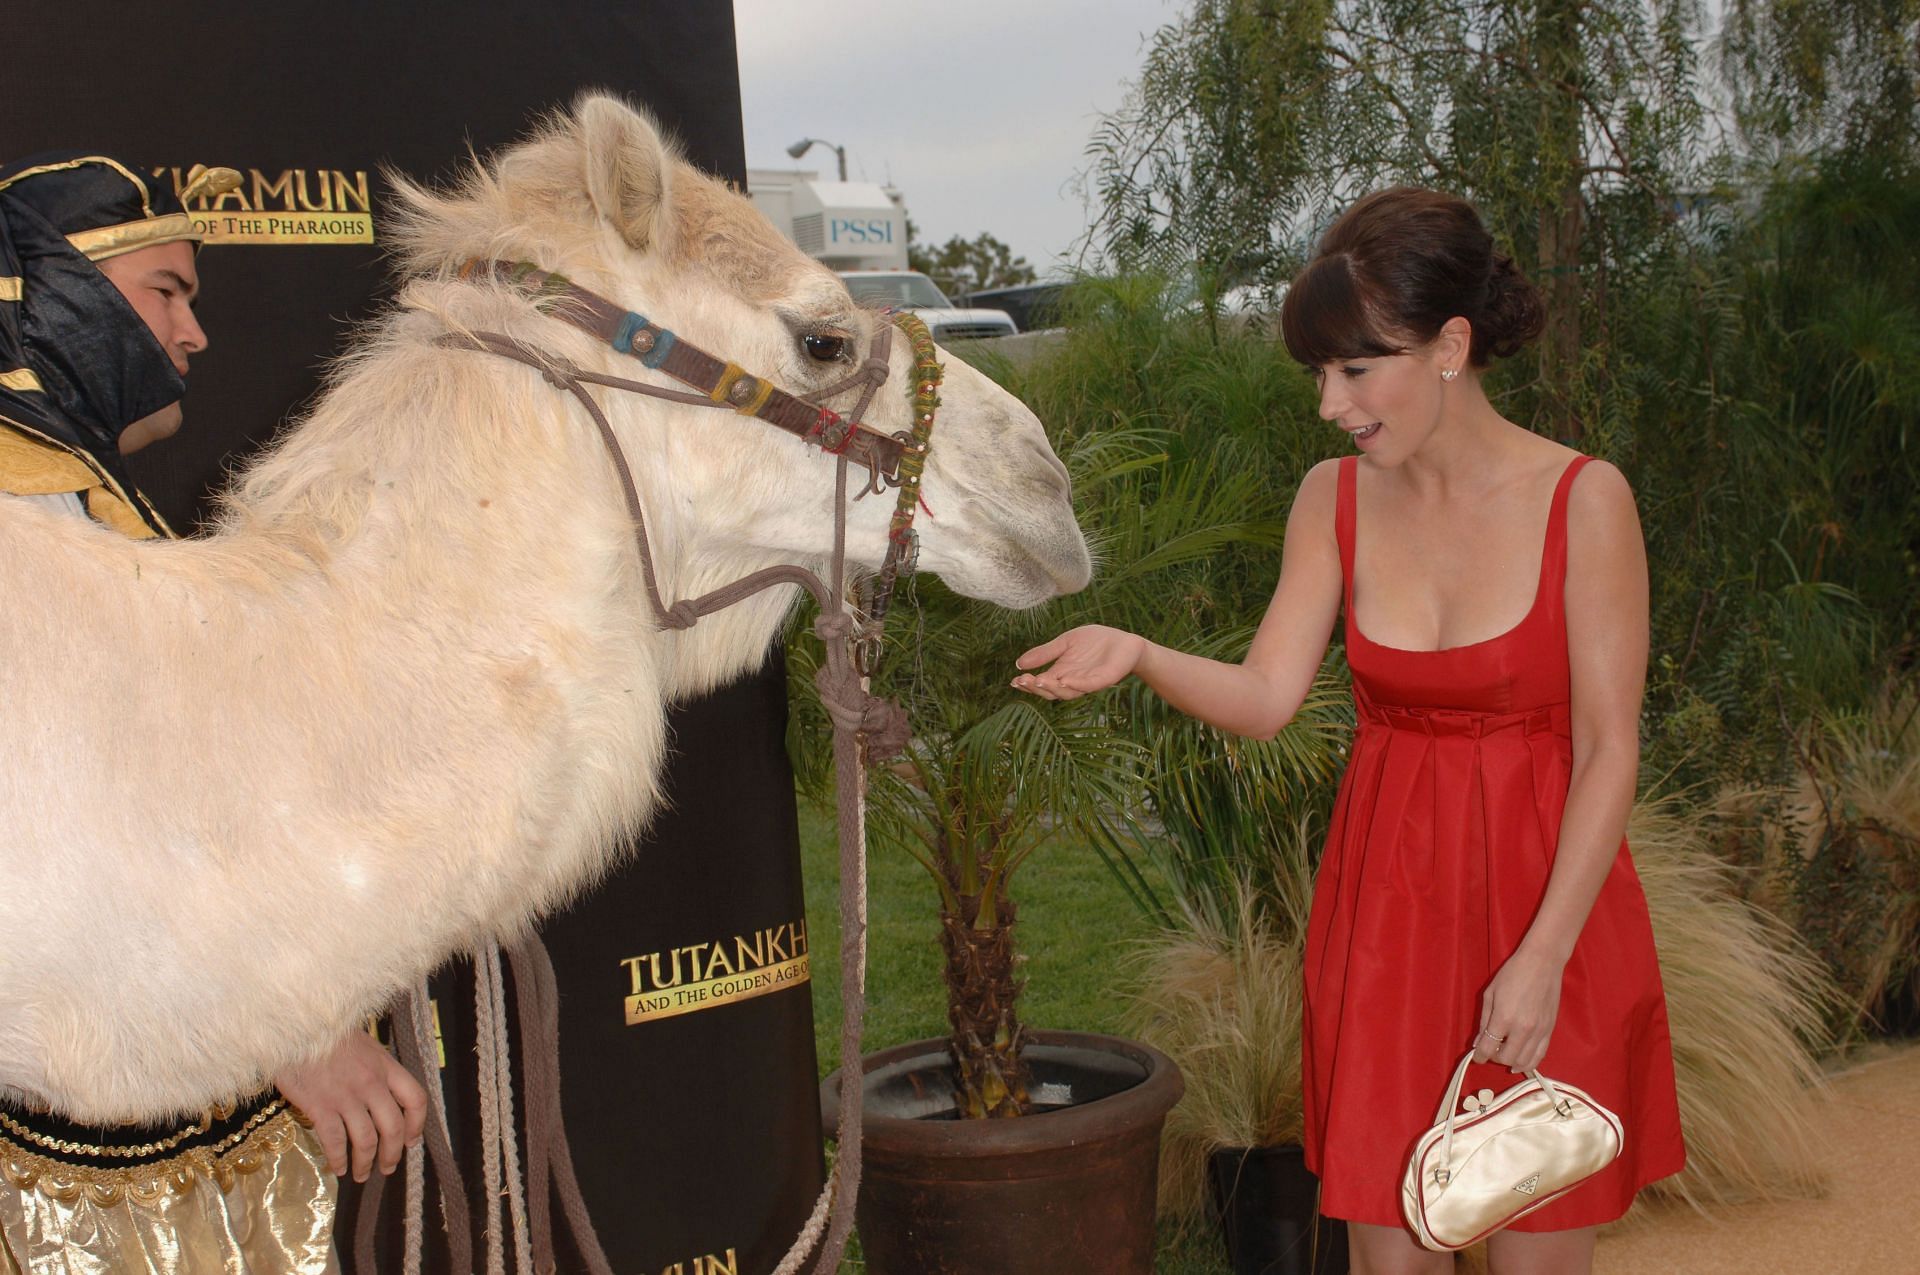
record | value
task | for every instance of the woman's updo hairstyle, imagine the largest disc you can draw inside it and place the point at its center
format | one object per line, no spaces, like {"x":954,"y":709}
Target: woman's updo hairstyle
{"x":1393,"y":269}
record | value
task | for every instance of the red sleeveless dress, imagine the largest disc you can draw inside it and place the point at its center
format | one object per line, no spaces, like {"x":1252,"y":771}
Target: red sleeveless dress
{"x":1442,"y":838}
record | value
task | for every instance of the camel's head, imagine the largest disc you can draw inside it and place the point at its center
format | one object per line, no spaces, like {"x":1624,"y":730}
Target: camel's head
{"x":600,"y":197}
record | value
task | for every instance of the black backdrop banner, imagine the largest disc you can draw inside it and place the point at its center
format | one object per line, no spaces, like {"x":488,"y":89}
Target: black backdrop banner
{"x":686,"y":1017}
{"x":309,"y":102}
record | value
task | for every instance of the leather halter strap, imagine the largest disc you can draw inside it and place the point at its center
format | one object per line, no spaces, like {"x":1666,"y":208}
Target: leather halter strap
{"x":720,"y":383}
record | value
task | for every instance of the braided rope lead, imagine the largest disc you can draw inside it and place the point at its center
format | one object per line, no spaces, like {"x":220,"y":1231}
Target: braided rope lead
{"x":509,"y":1141}
{"x":490,"y":1169}
{"x":416,"y":1215}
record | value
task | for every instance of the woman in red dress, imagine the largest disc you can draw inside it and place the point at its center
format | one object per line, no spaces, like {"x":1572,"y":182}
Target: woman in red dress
{"x":1476,"y":891}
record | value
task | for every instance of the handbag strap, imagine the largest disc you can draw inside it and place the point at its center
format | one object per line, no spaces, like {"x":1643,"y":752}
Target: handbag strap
{"x":1450,"y":1107}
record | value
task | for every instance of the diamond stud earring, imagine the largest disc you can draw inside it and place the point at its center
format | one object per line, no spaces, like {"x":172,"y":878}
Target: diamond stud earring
{"x":1449,"y":373}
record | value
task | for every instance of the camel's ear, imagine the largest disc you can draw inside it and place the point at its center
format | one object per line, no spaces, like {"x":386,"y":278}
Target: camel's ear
{"x":626,"y":169}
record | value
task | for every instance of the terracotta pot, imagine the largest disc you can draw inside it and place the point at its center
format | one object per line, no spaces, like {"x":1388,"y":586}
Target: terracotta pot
{"x":1060,"y":1192}
{"x":1268,"y":1204}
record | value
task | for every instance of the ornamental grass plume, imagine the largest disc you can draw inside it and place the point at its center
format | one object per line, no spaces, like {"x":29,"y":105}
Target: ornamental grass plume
{"x":1856,"y":809}
{"x":1748,"y":1003}
{"x":1220,"y":994}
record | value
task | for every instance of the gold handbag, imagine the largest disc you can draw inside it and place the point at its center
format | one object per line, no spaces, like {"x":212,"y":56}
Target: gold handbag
{"x":1471,"y":1175}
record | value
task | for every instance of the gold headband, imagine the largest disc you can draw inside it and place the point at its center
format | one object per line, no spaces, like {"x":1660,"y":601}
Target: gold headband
{"x":103,"y":242}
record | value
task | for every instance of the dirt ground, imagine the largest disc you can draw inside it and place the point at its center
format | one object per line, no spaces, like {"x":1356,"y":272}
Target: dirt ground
{"x":1868,"y":1224}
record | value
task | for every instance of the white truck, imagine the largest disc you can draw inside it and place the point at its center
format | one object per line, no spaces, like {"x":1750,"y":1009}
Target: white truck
{"x":911,"y":290}
{"x":859,"y":230}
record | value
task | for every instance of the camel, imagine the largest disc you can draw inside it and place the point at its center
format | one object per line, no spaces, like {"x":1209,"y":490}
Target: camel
{"x":409,"y":695}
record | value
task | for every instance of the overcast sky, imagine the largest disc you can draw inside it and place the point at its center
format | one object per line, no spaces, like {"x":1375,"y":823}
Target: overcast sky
{"x":979,"y":111}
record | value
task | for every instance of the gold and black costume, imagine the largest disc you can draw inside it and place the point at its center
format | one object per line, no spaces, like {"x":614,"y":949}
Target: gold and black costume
{"x":242,"y":1189}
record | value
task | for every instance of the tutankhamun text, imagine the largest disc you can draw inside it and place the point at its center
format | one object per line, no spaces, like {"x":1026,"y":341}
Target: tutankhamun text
{"x":683,"y":980}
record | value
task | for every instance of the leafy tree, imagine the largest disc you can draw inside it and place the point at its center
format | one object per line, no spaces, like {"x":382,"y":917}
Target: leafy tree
{"x":1571,"y":125}
{"x":964,"y":265}
{"x":1826,"y":76}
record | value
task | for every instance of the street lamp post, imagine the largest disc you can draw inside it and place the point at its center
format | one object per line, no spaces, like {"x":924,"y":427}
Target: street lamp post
{"x":800,"y":147}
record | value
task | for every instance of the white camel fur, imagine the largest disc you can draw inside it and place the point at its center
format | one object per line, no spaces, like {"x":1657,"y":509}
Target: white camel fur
{"x":410,"y":692}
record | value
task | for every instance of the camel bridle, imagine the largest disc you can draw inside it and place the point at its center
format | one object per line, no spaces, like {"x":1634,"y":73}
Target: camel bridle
{"x":893,"y":460}
{"x":867,"y":729}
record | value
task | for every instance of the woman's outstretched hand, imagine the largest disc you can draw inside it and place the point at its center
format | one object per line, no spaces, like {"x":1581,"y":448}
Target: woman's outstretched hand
{"x":1079,"y":662}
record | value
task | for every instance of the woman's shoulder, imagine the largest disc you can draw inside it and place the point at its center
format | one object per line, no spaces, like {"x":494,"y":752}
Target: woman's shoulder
{"x":1323,"y":476}
{"x":1318,"y":490}
{"x":1601,"y":523}
{"x":1597,"y":485}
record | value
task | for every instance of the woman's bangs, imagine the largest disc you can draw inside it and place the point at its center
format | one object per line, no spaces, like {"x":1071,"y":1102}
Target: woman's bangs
{"x":1324,"y":318}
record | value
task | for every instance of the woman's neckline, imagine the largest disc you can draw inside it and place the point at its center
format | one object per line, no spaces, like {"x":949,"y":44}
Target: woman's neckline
{"x":1533,"y":608}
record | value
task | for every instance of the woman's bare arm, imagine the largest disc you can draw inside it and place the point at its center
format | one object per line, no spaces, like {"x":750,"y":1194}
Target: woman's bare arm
{"x":1256,"y":697}
{"x":1606,"y":601}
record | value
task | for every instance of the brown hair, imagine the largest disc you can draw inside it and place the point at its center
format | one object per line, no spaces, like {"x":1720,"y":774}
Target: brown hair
{"x":1393,"y":269}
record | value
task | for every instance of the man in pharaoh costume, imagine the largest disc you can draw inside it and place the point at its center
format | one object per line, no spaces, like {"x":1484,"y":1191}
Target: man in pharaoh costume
{"x":97,"y":283}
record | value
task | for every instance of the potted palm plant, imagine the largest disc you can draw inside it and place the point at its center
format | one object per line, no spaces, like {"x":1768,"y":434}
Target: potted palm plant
{"x":1000,"y":1147}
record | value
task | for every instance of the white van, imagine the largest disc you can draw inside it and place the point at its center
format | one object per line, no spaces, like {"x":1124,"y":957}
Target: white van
{"x":911,"y":290}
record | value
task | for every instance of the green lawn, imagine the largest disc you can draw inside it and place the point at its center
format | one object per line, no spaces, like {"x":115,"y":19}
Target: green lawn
{"x":1074,"y":929}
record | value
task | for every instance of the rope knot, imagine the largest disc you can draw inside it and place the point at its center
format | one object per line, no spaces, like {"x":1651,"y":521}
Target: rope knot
{"x":681,"y":615}
{"x":828,"y":626}
{"x":886,"y":728}
{"x":881,"y":723}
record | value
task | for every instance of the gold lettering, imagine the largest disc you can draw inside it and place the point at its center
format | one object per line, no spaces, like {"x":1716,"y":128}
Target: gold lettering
{"x":264,"y":189}
{"x":346,"y":194}
{"x":718,"y":963}
{"x":776,"y":951}
{"x":300,"y":192}
{"x":633,"y":968}
{"x":748,"y":957}
{"x":799,"y":931}
{"x":714,"y":1267}
{"x":653,"y":964}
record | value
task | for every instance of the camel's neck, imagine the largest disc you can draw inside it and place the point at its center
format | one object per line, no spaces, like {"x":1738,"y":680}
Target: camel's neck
{"x":484,"y":501}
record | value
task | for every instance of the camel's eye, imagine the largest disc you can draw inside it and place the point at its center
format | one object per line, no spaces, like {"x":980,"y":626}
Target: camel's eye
{"x":823,"y":348}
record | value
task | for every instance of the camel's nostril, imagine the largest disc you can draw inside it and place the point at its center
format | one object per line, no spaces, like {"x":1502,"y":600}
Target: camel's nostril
{"x":1048,"y":466}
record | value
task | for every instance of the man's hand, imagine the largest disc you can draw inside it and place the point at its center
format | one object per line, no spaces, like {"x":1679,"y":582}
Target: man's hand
{"x":359,"y":1096}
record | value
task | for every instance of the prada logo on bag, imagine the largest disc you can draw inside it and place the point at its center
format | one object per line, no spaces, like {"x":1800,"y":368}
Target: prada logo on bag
{"x":1528,"y":1187}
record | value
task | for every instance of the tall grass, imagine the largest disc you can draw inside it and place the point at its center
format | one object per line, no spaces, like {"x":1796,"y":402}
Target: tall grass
{"x":1748,"y":1004}
{"x":1851,"y":855}
{"x":1221,"y":995}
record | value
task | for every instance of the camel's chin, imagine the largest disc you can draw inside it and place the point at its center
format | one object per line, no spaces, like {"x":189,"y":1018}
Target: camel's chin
{"x":1020,"y":578}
